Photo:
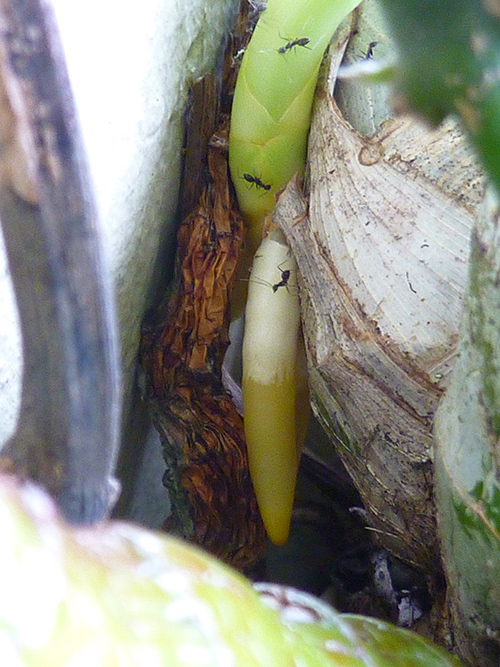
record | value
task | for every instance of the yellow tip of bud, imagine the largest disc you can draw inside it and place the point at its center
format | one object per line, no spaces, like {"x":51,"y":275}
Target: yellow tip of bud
{"x":272,"y":451}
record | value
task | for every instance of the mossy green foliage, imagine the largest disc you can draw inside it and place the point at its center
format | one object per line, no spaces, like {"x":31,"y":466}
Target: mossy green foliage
{"x":334,"y":428}
{"x":471,"y":555}
{"x":484,"y":303}
{"x":489,"y":496}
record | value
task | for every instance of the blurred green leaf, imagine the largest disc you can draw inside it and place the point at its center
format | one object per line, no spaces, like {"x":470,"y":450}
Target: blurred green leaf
{"x":449,"y":59}
{"x":117,"y":594}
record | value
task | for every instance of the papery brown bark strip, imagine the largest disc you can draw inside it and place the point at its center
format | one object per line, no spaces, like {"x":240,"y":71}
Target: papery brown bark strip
{"x":213,"y":502}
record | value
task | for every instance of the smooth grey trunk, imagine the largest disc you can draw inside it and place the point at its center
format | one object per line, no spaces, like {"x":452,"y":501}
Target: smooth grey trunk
{"x":68,"y":430}
{"x":467,"y":458}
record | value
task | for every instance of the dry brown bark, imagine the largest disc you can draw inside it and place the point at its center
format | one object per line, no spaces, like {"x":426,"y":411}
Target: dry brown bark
{"x":213,"y":502}
{"x":201,"y":430}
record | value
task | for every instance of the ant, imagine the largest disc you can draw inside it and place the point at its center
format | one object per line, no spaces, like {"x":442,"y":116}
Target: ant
{"x":369,"y":53}
{"x":293,"y":43}
{"x":255,"y":180}
{"x":285,"y":277}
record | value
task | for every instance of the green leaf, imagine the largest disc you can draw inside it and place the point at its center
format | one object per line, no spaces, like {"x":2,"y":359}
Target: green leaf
{"x":449,"y":59}
{"x":118,"y":595}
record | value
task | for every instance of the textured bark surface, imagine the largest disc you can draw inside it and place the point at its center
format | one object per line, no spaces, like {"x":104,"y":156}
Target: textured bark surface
{"x":382,"y":246}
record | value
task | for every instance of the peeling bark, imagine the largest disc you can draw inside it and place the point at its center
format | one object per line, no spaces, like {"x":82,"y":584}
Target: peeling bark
{"x":382,"y":246}
{"x":182,"y":350}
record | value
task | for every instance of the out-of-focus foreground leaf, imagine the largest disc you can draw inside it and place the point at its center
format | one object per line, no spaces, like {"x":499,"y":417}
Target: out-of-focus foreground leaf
{"x":449,"y":53}
{"x":120,"y":595}
{"x":449,"y":56}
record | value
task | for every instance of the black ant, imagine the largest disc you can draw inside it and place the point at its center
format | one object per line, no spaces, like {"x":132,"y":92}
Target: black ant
{"x":255,"y":180}
{"x":293,"y":43}
{"x":369,"y":53}
{"x":285,"y":277}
